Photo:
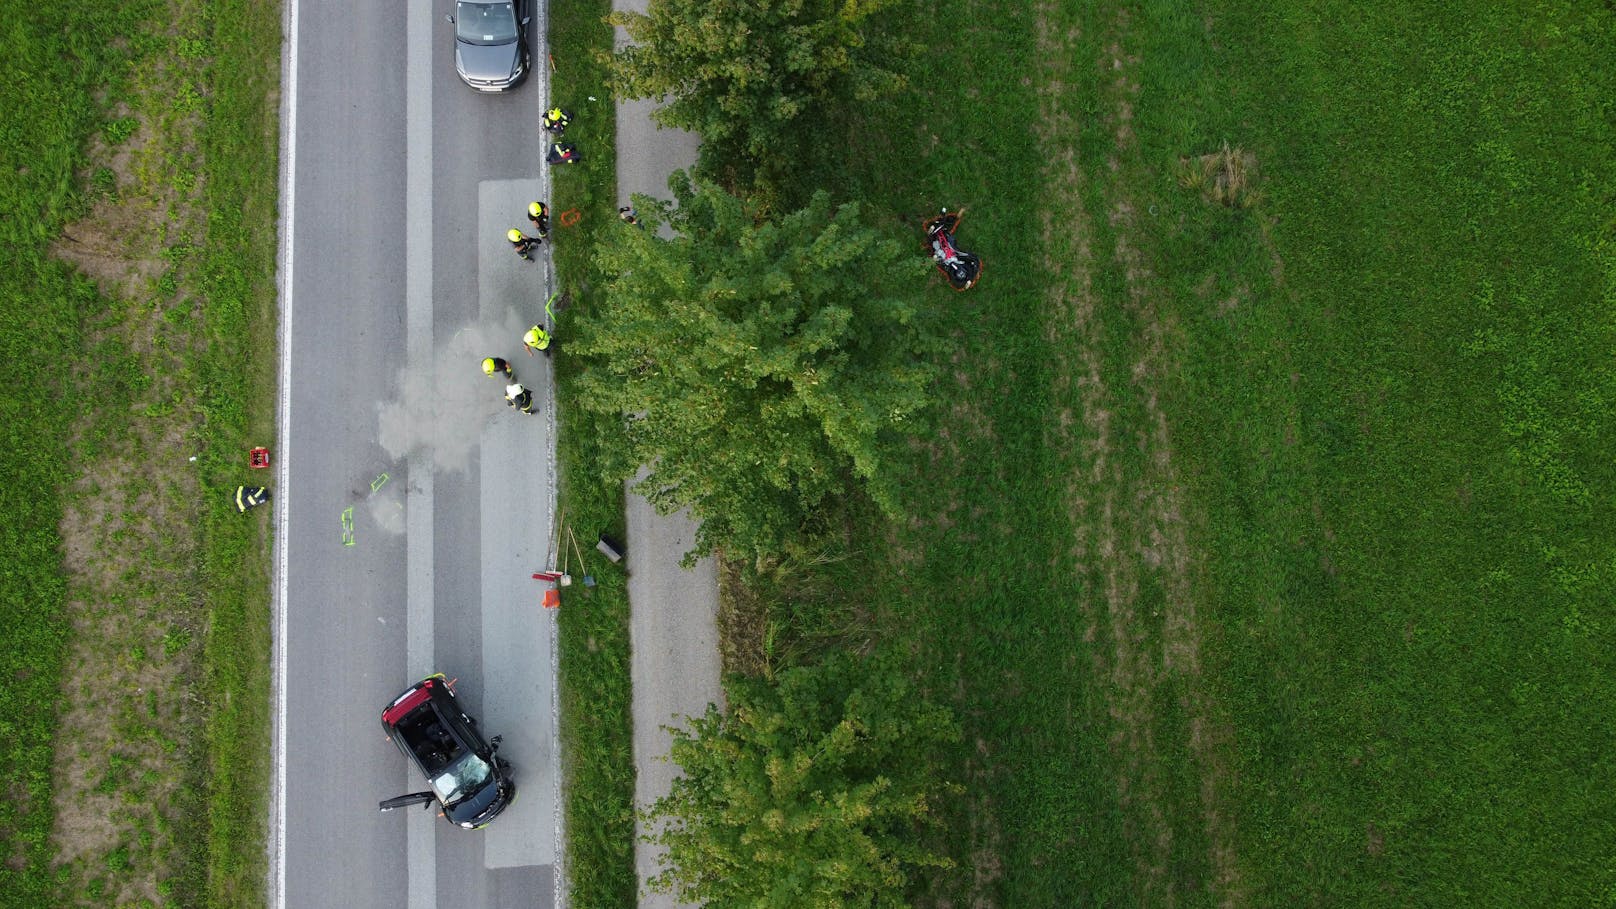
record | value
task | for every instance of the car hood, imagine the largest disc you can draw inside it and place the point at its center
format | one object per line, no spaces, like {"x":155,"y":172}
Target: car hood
{"x":486,"y":62}
{"x":484,"y":805}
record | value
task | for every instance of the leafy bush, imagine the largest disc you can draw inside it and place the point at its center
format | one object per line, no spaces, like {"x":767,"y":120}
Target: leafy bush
{"x":760,"y":366}
{"x":811,"y":792}
{"x":751,"y":76}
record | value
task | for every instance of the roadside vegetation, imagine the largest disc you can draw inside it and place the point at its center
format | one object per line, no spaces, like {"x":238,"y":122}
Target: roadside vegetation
{"x":756,"y":80}
{"x":804,"y":793}
{"x":1264,"y":546}
{"x":138,"y":195}
{"x":775,"y":382}
{"x":597,"y":745}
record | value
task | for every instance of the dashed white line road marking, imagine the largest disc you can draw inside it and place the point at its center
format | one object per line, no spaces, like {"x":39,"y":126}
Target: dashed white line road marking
{"x":421,"y":827}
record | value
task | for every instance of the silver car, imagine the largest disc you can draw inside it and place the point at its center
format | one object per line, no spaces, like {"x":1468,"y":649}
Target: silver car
{"x":491,"y":53}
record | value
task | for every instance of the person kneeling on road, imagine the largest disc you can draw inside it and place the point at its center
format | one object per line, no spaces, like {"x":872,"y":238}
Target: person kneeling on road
{"x":540,"y":216}
{"x":518,"y":397}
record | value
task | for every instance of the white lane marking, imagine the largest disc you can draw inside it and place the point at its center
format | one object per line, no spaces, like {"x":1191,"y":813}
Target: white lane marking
{"x":277,"y":839}
{"x":421,"y":827}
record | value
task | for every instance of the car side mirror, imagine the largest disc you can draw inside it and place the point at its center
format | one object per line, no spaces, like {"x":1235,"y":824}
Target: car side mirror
{"x":448,"y":18}
{"x":493,"y":743}
{"x":405,"y":801}
{"x":526,"y":19}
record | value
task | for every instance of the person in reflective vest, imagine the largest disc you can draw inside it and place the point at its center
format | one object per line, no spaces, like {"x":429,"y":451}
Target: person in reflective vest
{"x":536,"y":339}
{"x":556,"y":120}
{"x":492,"y":365}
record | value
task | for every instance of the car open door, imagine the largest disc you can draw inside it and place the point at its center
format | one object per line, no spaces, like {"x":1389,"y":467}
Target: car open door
{"x":405,"y":801}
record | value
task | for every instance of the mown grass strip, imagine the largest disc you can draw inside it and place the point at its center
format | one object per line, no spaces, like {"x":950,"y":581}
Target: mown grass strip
{"x":596,"y":720}
{"x":236,"y":367}
{"x":978,"y":585}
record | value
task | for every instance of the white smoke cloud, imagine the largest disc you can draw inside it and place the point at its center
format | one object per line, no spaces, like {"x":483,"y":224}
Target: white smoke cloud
{"x":441,"y":411}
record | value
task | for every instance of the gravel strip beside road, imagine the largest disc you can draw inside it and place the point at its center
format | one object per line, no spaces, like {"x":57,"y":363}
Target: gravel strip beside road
{"x":673,"y":630}
{"x":675,"y":646}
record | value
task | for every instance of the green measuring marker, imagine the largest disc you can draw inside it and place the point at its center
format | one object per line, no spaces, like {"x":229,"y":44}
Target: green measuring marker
{"x":347,"y":526}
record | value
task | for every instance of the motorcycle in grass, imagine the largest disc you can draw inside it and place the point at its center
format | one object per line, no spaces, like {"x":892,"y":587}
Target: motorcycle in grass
{"x":962,"y":269}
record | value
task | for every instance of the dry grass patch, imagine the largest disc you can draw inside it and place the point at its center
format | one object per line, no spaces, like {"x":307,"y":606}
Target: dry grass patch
{"x":1226,"y":177}
{"x":131,"y":526}
{"x":745,"y":633}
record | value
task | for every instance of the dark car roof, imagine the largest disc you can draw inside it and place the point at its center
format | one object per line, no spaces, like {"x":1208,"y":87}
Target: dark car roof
{"x":428,"y":726}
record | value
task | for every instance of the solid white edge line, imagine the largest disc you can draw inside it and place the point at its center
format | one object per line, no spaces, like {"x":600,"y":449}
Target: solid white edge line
{"x":276,"y":884}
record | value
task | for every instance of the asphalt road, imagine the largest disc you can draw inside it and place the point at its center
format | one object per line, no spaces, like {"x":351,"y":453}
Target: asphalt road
{"x":412,"y":504}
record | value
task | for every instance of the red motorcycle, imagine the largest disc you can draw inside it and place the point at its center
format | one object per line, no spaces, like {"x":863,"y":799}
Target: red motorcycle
{"x":960,"y":268}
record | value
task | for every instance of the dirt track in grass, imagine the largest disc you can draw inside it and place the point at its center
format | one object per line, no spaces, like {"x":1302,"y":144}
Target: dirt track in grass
{"x":131,"y":526}
{"x":1124,"y":499}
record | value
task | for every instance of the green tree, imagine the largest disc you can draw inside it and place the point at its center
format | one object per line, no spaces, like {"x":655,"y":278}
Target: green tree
{"x":761,"y":367}
{"x":812,"y":792}
{"x":746,"y":74}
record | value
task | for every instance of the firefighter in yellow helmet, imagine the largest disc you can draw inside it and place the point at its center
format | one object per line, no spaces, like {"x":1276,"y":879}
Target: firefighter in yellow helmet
{"x":522,"y":243}
{"x":540,"y":216}
{"x":536,"y":339}
{"x":556,"y":120}
{"x":496,"y":365}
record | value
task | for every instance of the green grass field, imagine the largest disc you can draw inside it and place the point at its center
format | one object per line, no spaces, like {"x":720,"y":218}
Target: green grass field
{"x":1264,"y":548}
{"x":39,"y":301}
{"x":141,"y":149}
{"x":1267,"y":552}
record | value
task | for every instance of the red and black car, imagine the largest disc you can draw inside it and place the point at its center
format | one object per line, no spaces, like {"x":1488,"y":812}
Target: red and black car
{"x":468,"y":778}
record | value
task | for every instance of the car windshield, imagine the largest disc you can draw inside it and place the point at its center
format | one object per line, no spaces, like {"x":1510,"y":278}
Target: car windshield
{"x":485,"y":23}
{"x":462,"y":778}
